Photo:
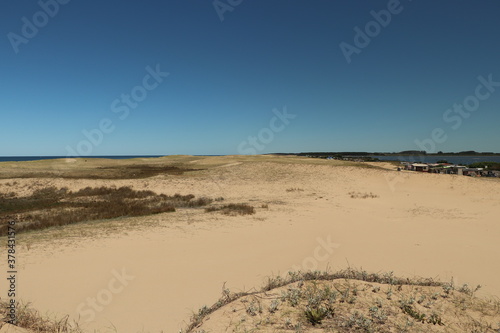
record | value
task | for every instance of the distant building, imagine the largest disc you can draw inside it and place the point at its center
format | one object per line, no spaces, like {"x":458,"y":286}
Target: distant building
{"x":473,"y":172}
{"x":420,"y":167}
{"x":450,"y":169}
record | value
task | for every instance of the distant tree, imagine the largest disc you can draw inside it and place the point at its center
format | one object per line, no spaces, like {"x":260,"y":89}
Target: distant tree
{"x":413,"y":152}
{"x":489,"y":165}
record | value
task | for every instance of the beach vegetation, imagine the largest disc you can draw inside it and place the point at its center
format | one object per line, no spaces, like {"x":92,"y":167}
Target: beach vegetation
{"x":50,"y":206}
{"x":232,"y":209}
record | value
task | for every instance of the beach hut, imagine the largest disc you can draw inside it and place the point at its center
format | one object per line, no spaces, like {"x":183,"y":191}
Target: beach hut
{"x":420,"y":167}
{"x":472,"y":171}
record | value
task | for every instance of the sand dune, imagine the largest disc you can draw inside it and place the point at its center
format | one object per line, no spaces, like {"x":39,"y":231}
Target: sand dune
{"x":153,"y":271}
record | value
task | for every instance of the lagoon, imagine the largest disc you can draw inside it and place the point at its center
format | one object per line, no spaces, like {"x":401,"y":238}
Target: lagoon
{"x":453,"y":159}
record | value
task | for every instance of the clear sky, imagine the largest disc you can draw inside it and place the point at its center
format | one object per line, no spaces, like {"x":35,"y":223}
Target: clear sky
{"x":248,"y":76}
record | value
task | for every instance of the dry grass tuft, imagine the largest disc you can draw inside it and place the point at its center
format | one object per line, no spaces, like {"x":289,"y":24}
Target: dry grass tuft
{"x":233,"y":209}
{"x":294,"y":189}
{"x":32,"y":320}
{"x":359,"y":195}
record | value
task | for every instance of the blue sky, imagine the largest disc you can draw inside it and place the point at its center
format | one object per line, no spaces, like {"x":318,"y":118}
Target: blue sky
{"x":225,"y":77}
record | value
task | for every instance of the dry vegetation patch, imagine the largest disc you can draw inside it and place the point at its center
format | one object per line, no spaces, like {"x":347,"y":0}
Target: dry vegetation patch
{"x":360,"y":195}
{"x":350,"y":301}
{"x":30,"y":319}
{"x":294,"y":189}
{"x":93,"y":169}
{"x":51,"y":206}
{"x":232,"y":209}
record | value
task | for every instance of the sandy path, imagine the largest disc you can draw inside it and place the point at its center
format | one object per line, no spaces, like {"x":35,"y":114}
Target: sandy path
{"x":427,"y":225}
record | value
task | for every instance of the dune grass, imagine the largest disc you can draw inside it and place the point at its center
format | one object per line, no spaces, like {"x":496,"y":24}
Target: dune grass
{"x":232,"y":209}
{"x":30,"y":319}
{"x":100,"y":172}
{"x":50,"y":206}
{"x":352,"y":301}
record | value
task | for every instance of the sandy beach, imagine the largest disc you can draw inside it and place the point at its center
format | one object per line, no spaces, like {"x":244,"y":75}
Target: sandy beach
{"x":148,"y":274}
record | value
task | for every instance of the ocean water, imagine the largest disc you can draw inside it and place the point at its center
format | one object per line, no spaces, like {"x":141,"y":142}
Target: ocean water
{"x":461,"y":160}
{"x":39,"y":158}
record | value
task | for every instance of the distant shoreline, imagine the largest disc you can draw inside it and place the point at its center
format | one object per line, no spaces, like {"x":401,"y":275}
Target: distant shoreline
{"x":408,"y":152}
{"x":308,"y":154}
{"x":112,"y":157}
{"x":42,"y":158}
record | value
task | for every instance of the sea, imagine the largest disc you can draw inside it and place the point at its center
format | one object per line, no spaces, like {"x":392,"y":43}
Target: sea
{"x":39,"y":158}
{"x":458,"y":160}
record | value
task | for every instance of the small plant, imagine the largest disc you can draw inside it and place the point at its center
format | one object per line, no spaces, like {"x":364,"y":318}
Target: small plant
{"x":316,"y":315}
{"x":348,"y":295}
{"x":292,"y":296}
{"x":273,"y":307}
{"x":203,"y":311}
{"x":294,"y":189}
{"x":298,"y":328}
{"x":467,"y":290}
{"x":448,"y":287}
{"x":389,"y":293}
{"x":428,"y":304}
{"x":358,"y":321}
{"x":412,"y":312}
{"x":254,"y":308}
{"x":273,"y":282}
{"x":405,"y":328}
{"x":434,"y":319}
{"x":359,"y":195}
{"x":406,"y":301}
{"x":378,"y":314}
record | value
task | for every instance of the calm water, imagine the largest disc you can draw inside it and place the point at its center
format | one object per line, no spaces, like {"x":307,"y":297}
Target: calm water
{"x":462,"y":160}
{"x":38,"y":158}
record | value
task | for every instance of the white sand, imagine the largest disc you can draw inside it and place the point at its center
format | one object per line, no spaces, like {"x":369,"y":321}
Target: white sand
{"x":427,"y":225}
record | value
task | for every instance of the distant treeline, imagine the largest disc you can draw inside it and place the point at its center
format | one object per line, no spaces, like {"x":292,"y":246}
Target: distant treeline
{"x":486,"y":165}
{"x":405,"y":152}
{"x":333,"y":154}
{"x":423,"y":152}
